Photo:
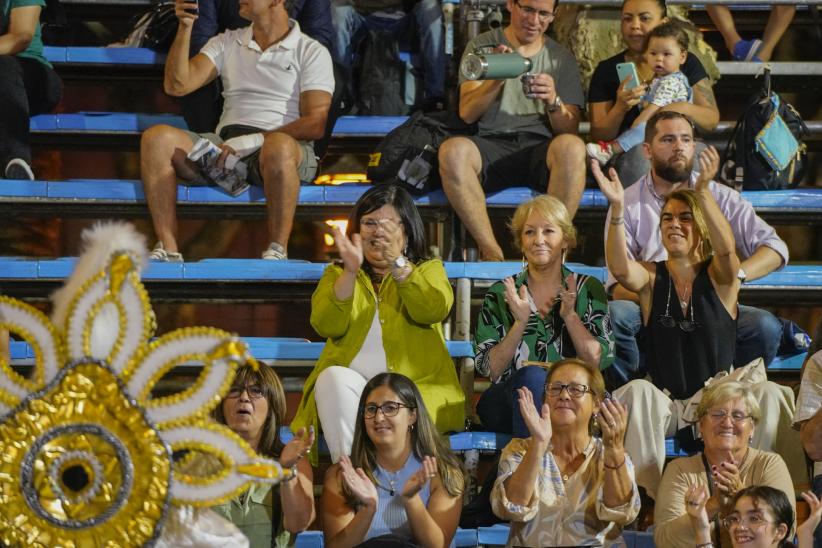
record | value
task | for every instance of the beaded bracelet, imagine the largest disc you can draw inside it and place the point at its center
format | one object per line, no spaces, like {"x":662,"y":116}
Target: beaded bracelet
{"x":293,"y":475}
{"x":617,"y":221}
{"x":617,"y":467}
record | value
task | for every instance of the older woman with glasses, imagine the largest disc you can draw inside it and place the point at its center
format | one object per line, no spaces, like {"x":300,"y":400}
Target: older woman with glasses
{"x":564,"y":485}
{"x":402,"y":486}
{"x":726,"y":418}
{"x":254,"y":408}
{"x":382,"y":310}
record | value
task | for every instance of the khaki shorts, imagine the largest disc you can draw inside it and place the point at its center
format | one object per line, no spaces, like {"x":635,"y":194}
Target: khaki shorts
{"x":306,"y":170}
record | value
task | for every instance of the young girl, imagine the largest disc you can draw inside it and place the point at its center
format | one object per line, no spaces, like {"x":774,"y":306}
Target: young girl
{"x":760,"y":516}
{"x":666,"y":51}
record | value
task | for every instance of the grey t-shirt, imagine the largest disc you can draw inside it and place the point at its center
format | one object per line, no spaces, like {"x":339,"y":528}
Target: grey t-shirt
{"x":512,"y":111}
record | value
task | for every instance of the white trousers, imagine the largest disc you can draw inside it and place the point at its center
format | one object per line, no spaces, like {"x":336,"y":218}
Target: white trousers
{"x":653,"y":416}
{"x":337,"y":393}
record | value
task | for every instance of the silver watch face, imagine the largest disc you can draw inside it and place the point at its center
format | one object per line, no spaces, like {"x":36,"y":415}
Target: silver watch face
{"x":400,"y":262}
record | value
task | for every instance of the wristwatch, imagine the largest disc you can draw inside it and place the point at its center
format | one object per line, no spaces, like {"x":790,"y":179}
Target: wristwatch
{"x":742,"y":275}
{"x":557,"y":104}
{"x":400,"y":263}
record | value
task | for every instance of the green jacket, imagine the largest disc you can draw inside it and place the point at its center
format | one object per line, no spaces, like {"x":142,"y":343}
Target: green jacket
{"x":411,"y":313}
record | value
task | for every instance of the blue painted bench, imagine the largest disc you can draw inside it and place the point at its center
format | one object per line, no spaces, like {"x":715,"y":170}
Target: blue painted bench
{"x":496,"y":535}
{"x":88,"y":196}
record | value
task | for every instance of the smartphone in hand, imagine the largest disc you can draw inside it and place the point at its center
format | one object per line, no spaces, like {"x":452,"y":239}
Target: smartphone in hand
{"x":624,"y":70}
{"x":195,"y":10}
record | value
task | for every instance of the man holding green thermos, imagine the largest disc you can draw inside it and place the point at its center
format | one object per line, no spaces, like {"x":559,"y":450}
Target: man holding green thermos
{"x":524,"y":91}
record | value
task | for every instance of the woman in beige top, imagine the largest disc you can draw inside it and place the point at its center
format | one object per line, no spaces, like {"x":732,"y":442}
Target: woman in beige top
{"x":563,"y":486}
{"x":726,"y":418}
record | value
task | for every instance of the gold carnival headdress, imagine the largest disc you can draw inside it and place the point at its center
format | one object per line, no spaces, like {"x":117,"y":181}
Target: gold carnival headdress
{"x":85,"y":450}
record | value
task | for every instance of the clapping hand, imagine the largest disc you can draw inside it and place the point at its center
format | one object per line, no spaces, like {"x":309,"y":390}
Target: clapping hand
{"x":390,"y":240}
{"x":726,"y":477}
{"x":613,"y":420}
{"x":539,"y":424}
{"x":350,"y":250}
{"x":517,"y":301}
{"x":695,"y":498}
{"x":358,"y":483}
{"x":568,"y":296}
{"x":708,"y":166}
{"x":418,"y":479}
{"x":299,"y":446}
{"x":611,"y":186}
{"x":806,"y":530}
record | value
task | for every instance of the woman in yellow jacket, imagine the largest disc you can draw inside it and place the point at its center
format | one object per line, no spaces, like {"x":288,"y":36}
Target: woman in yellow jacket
{"x":381,"y":311}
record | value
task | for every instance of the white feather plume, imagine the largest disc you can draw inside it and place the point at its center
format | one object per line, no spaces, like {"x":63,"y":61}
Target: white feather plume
{"x":98,"y":244}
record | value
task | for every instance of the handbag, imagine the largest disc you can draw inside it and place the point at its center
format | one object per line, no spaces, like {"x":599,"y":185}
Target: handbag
{"x":751,"y":374}
{"x":775,"y":142}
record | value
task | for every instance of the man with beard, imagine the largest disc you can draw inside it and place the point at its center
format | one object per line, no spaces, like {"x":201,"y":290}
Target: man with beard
{"x":669,"y":146}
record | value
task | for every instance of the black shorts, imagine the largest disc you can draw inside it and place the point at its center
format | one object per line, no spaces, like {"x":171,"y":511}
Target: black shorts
{"x":518,"y":159}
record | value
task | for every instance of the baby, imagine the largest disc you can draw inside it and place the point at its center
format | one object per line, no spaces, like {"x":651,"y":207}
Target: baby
{"x":665,"y":52}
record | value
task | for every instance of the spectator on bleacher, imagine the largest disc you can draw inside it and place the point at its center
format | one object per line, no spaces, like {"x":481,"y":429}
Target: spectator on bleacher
{"x":401,"y":486}
{"x":353,"y":19}
{"x":762,"y":516}
{"x":277,"y":83}
{"x":809,"y":412}
{"x":543,"y":314}
{"x":808,"y":531}
{"x":381,"y":310}
{"x":670,"y":147}
{"x":202,"y":108}
{"x":612,"y":108}
{"x":564,"y":486}
{"x":726,"y":418}
{"x":521,"y":139}
{"x":751,"y":50}
{"x":666,"y":52}
{"x":255,"y":409}
{"x":28,"y":84}
{"x":688,"y":292}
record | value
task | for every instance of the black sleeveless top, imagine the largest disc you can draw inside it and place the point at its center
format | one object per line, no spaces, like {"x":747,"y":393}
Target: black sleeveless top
{"x":682,"y":361}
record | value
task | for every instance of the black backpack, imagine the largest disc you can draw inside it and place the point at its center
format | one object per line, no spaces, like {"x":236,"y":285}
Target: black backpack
{"x":745,"y":167}
{"x":407,"y":156}
{"x":381,"y":79}
{"x":154,"y":29}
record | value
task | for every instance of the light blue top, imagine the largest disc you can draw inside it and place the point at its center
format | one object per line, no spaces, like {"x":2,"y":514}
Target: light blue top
{"x":390,"y":517}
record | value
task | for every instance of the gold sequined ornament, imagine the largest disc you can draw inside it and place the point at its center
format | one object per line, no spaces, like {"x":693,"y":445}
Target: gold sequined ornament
{"x":85,"y":451}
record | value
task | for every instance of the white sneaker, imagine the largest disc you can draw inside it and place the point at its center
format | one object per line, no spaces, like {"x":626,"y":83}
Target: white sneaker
{"x":17,"y":168}
{"x":601,"y":151}
{"x":160,"y":254}
{"x":275,"y":252}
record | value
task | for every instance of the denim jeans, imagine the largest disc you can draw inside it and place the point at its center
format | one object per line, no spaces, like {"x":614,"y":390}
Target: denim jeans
{"x":350,"y":27}
{"x":498,"y":407}
{"x":758,"y":333}
{"x":631,"y":137}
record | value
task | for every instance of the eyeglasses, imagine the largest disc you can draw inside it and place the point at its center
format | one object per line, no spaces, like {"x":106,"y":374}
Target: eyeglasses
{"x":666,"y":320}
{"x":254,"y":391}
{"x":574,"y":390}
{"x":371,"y":225}
{"x":753,"y":521}
{"x":389,"y":409}
{"x":719,"y":415}
{"x":528,"y":11}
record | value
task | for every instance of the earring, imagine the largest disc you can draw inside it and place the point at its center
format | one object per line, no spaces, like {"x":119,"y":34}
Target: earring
{"x":564,"y":251}
{"x":524,"y":263}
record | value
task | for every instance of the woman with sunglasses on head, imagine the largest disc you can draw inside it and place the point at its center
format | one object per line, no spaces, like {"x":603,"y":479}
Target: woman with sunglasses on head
{"x":564,"y":486}
{"x":402,"y":486}
{"x":254,"y":408}
{"x":689,"y":301}
{"x":381,"y":310}
{"x":726,"y":417}
{"x":543,"y":314}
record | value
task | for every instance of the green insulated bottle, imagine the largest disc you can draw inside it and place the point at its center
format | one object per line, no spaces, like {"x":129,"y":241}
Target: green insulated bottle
{"x":494,"y":66}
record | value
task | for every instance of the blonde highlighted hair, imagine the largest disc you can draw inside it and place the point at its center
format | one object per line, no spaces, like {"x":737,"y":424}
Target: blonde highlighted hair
{"x":720,"y":393}
{"x":550,"y":209}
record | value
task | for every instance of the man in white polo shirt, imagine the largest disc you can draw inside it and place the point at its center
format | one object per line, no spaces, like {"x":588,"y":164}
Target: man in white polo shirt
{"x":277,"y":86}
